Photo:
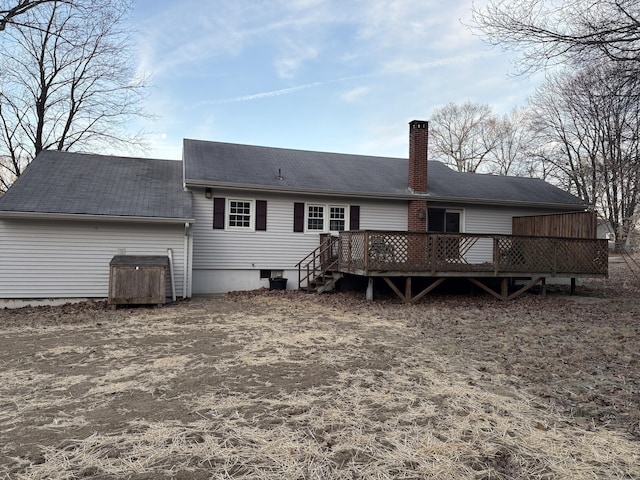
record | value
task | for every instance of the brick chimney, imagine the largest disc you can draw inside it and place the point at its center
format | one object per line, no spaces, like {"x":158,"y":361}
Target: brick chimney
{"x":418,"y":144}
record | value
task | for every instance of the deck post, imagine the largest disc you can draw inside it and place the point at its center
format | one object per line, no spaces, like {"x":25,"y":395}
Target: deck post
{"x":407,"y":290}
{"x":370,"y":289}
{"x":572,"y":290}
{"x":504,"y":288}
{"x":543,"y":292}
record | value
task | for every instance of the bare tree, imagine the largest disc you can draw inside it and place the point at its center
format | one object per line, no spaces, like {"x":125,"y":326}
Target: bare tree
{"x":68,"y":85}
{"x":463,"y":136}
{"x":588,"y":127}
{"x":551,"y":31}
{"x":511,"y":154}
{"x":12,"y":12}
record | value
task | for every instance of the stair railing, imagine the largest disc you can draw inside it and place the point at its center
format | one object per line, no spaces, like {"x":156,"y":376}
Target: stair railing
{"x":318,"y":262}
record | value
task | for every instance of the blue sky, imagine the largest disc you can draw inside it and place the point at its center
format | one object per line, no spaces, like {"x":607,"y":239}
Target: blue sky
{"x":329,"y":75}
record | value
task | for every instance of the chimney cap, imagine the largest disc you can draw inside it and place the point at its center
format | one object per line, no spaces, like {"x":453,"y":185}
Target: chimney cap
{"x":418,"y":124}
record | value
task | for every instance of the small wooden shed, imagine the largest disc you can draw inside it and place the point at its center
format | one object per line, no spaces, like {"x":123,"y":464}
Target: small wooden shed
{"x":138,"y":280}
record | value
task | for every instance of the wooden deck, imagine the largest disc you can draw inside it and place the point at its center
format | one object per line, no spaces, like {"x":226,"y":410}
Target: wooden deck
{"x":379,"y":253}
{"x":475,"y":257}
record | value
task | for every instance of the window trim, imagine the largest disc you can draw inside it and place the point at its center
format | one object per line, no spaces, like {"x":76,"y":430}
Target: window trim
{"x":326,"y":220}
{"x":345,"y":219}
{"x":307,"y":207}
{"x":252,"y":215}
{"x":460,"y":211}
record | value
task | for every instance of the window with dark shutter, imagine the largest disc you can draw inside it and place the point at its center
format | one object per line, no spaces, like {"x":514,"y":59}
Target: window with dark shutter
{"x":298,"y":217}
{"x":218,"y":213}
{"x":261,"y":215}
{"x":354,"y":217}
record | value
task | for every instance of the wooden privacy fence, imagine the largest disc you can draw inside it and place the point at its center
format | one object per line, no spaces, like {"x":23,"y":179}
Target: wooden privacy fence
{"x":572,"y":225}
{"x":380,"y":253}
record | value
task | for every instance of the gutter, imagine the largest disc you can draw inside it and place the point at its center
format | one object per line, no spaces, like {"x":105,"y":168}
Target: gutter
{"x":506,"y":203}
{"x":407,"y":196}
{"x":298,"y":191}
{"x":88,"y":217}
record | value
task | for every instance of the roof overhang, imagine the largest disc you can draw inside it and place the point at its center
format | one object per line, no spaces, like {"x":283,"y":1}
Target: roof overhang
{"x":385,"y":196}
{"x":87,"y":217}
{"x":504,"y":203}
{"x":297,"y":191}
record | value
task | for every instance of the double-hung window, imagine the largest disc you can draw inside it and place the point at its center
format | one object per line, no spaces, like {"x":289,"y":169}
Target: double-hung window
{"x":315,"y":218}
{"x":326,"y":218}
{"x":240,"y":213}
{"x":337,"y":218}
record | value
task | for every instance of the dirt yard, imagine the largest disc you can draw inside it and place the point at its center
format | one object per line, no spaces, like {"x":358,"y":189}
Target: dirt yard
{"x":283,"y":385}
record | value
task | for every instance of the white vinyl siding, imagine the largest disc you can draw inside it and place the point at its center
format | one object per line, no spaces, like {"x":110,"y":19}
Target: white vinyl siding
{"x":489,"y":220}
{"x":278,"y":248}
{"x":496,"y":220}
{"x":70,"y":259}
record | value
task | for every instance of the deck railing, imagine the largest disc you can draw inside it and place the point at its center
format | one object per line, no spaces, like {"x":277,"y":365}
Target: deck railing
{"x":380,"y":252}
{"x":323,"y":258}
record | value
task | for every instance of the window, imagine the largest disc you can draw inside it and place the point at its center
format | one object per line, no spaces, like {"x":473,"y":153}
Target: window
{"x":249,"y":215}
{"x":239,"y":214}
{"x":337,"y":217}
{"x":443,"y":220}
{"x":325,"y":218}
{"x":265,"y":274}
{"x":315,"y":218}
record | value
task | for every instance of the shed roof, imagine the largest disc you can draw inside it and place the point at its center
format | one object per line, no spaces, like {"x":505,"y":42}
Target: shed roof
{"x":66,"y":183}
{"x":280,"y":169}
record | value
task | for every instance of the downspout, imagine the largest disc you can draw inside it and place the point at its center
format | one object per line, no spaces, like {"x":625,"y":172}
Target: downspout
{"x":171,"y":274}
{"x":185,"y":263}
{"x":190,"y":269}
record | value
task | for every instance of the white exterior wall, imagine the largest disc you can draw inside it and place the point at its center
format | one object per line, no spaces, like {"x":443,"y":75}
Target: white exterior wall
{"x":70,"y":259}
{"x":490,"y":220}
{"x":228,"y":260}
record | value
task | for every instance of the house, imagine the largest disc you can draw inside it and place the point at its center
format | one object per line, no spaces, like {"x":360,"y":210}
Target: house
{"x":235,"y":216}
{"x":69,"y":214}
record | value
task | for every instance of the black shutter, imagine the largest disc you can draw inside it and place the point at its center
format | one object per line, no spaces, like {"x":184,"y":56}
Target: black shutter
{"x":261,"y":215}
{"x":298,"y":217}
{"x":218,"y":213}
{"x":354,"y":217}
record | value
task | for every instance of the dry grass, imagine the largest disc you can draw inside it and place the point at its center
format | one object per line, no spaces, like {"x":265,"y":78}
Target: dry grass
{"x":283,"y":385}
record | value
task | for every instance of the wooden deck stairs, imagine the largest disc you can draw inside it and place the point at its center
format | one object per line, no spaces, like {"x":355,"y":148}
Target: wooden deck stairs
{"x":325,"y":282}
{"x":317,"y":272}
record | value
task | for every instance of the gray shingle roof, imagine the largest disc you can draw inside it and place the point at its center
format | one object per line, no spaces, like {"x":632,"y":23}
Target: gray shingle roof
{"x":83,"y":184}
{"x":248,"y":166}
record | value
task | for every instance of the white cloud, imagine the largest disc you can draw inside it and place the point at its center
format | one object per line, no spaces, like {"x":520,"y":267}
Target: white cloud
{"x":355,"y":94}
{"x":394,"y":59}
{"x":411,"y":68}
{"x":289,"y":62}
{"x":272,"y":93}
